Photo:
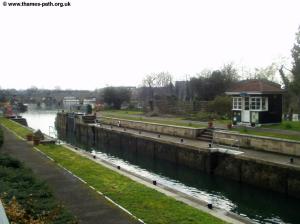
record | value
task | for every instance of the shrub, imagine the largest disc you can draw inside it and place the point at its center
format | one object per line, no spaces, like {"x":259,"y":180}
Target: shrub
{"x":24,"y":196}
{"x":221,"y":106}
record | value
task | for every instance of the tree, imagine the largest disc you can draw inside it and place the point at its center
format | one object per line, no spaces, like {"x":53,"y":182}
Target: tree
{"x":267,"y":72}
{"x":115,"y":96}
{"x":158,"y":81}
{"x":209,"y":84}
{"x":295,"y":85}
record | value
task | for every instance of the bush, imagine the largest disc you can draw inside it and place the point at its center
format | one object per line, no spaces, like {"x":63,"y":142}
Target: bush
{"x":221,"y":106}
{"x":204,"y":116}
{"x":22,"y":194}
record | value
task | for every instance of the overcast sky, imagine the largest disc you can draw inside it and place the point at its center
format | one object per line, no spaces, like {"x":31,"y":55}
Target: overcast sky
{"x":94,"y":43}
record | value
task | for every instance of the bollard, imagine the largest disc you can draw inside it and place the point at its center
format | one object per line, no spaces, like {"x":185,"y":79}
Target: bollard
{"x":158,"y":136}
{"x":118,"y":167}
{"x":94,"y":156}
{"x":111,"y":127}
{"x":181,"y":140}
{"x":154,"y":182}
{"x":210,"y":206}
{"x":209,"y":145}
{"x":291,"y":160}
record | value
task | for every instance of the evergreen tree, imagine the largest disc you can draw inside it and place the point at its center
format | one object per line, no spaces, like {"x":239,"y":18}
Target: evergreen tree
{"x":295,"y":84}
{"x":296,"y":66}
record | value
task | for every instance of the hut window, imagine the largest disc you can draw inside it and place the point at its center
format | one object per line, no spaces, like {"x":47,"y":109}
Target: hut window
{"x":255,"y":103}
{"x":236,"y":103}
{"x":259,"y":103}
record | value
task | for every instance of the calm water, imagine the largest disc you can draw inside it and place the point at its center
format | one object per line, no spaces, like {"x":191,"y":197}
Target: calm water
{"x":41,"y":119}
{"x":261,"y":206}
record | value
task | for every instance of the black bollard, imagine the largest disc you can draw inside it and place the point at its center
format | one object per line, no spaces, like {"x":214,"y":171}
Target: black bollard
{"x":118,"y":167}
{"x":181,"y":140}
{"x":209,"y":145}
{"x":210,"y":206}
{"x":291,"y":160}
{"x":158,"y":136}
{"x":94,"y":156}
{"x":154,"y":182}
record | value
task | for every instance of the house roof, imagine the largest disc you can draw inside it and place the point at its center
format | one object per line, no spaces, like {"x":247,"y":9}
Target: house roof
{"x":255,"y":86}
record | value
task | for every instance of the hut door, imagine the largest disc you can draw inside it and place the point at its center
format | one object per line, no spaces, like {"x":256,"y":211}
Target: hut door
{"x":245,"y":110}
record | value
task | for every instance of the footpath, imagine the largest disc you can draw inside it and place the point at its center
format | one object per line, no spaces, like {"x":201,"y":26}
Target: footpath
{"x":84,"y":203}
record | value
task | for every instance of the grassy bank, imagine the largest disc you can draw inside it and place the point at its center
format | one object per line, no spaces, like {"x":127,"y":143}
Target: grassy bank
{"x":148,"y":204}
{"x":285,"y":125}
{"x":17,"y":128}
{"x":138,"y":116}
{"x":268,"y":134}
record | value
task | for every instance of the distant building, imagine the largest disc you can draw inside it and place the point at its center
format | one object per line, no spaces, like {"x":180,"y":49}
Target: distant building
{"x":90,"y":101}
{"x":69,"y":102}
{"x":256,"y":102}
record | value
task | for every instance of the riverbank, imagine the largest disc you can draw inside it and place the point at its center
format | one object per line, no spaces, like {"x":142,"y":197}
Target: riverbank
{"x":143,"y":202}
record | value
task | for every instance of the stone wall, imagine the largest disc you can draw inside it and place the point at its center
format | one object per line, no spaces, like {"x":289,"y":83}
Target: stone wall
{"x":276,"y":177}
{"x":186,"y":132}
{"x":287,"y":147}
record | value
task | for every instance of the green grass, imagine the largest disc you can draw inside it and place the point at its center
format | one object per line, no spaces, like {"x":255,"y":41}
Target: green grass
{"x":285,"y":125}
{"x":268,"y":134}
{"x":123,"y":112}
{"x":177,"y":121}
{"x":148,"y":204}
{"x":16,"y":127}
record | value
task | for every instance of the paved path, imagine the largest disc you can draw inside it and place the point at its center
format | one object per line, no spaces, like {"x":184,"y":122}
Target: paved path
{"x":201,"y":145}
{"x":88,"y":206}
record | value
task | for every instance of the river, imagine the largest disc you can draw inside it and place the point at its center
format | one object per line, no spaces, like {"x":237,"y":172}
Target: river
{"x":261,"y":206}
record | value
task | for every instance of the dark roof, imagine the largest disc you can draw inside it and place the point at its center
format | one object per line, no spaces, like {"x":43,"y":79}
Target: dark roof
{"x":255,"y":86}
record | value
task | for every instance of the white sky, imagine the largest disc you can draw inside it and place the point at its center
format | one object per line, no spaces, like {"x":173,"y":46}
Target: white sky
{"x":95,"y":43}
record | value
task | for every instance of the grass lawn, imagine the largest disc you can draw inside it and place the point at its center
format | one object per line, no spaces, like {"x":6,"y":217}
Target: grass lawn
{"x":268,"y":134}
{"x":147,"y":204}
{"x":16,"y":127}
{"x":285,"y":125}
{"x":138,"y":116}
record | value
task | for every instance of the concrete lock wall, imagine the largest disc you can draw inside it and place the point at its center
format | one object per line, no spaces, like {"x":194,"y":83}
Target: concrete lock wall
{"x":287,"y":147}
{"x":280,"y":178}
{"x":178,"y":131}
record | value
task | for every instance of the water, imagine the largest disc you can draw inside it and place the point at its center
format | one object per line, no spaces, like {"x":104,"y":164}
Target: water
{"x":41,"y":119}
{"x":261,"y":206}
